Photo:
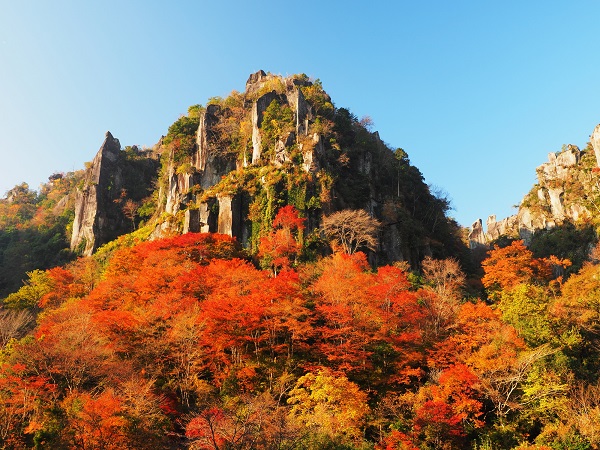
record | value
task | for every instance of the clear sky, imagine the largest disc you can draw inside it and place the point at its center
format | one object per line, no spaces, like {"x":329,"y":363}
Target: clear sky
{"x":477,"y":92}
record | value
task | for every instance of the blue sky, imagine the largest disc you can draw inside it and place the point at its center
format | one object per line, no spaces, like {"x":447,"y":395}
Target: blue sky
{"x":478,"y":93}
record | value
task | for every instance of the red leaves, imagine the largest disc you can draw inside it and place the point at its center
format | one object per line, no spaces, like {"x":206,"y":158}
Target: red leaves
{"x":97,"y":422}
{"x":173,"y":317}
{"x":360,"y":310}
{"x":279,"y":248}
{"x":21,"y":397}
{"x":288,"y":218}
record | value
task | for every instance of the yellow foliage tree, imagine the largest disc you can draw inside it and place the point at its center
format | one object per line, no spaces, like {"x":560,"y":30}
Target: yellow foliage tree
{"x":328,"y":404}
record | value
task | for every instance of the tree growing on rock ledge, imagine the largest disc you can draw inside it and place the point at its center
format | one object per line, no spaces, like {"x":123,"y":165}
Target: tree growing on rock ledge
{"x":351,"y":230}
{"x":280,"y":247}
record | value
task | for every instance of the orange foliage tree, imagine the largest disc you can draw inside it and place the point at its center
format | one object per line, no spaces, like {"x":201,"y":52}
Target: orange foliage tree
{"x":514,"y":264}
{"x":366,"y":320}
{"x":280,"y":247}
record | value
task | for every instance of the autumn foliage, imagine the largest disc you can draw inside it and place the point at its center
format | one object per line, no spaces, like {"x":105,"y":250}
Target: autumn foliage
{"x":185,"y":343}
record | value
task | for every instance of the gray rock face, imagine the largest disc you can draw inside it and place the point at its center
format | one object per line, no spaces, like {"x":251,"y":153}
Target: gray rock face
{"x":556,"y":203}
{"x":113,"y":178}
{"x":255,"y":81}
{"x":595,"y":141}
{"x":301,"y":108}
{"x":528,"y":222}
{"x":191,"y":222}
{"x":207,"y":217}
{"x":558,"y":166}
{"x":310,"y":154}
{"x":208,"y":119}
{"x":230,"y":215}
{"x":210,"y":162}
{"x":281,"y":149}
{"x":293,"y":98}
{"x":94,"y":202}
{"x":255,"y":78}
{"x":477,"y":235}
{"x":494,"y":229}
{"x":258,"y":109}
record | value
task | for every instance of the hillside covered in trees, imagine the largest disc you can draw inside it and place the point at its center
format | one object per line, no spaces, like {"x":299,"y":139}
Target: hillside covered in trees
{"x":184,"y":343}
{"x":272,"y":275}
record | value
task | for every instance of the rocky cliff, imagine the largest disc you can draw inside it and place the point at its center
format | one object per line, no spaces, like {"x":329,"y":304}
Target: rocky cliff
{"x":567,"y":191}
{"x":228,"y":167}
{"x":281,"y":142}
{"x":113,"y":178}
{"x":213,"y":157}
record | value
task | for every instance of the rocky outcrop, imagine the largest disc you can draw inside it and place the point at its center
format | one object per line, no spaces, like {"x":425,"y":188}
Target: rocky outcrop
{"x":256,"y":81}
{"x":231,"y":173}
{"x":595,"y":141}
{"x":565,"y":186}
{"x":477,"y":235}
{"x":208,"y":119}
{"x":210,"y":162}
{"x":230,"y":215}
{"x":301,"y":108}
{"x":293,"y":97}
{"x":223,"y":170}
{"x":208,"y":217}
{"x":113,"y":179}
{"x":496,"y":229}
{"x":94,"y":203}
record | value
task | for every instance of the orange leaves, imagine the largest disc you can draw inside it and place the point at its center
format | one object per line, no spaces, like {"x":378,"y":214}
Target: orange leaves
{"x":358,"y":311}
{"x":174,"y":335}
{"x":288,"y":218}
{"x":96,"y":422}
{"x":343,"y":306}
{"x":509,"y":266}
{"x":21,"y":397}
{"x":479,"y":338}
{"x":208,"y":430}
{"x":279,"y":248}
{"x":396,"y":440}
{"x":492,"y":351}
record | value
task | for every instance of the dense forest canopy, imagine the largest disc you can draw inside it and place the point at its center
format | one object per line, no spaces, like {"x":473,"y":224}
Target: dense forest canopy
{"x":184,"y":342}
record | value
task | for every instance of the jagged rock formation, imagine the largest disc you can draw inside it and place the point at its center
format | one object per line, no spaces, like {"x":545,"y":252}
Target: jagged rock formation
{"x":595,"y":141}
{"x":110,"y":180}
{"x":280,"y":142}
{"x":567,"y":190}
{"x":93,"y":202}
{"x":211,"y":160}
{"x":230,"y":166}
{"x":477,"y":235}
